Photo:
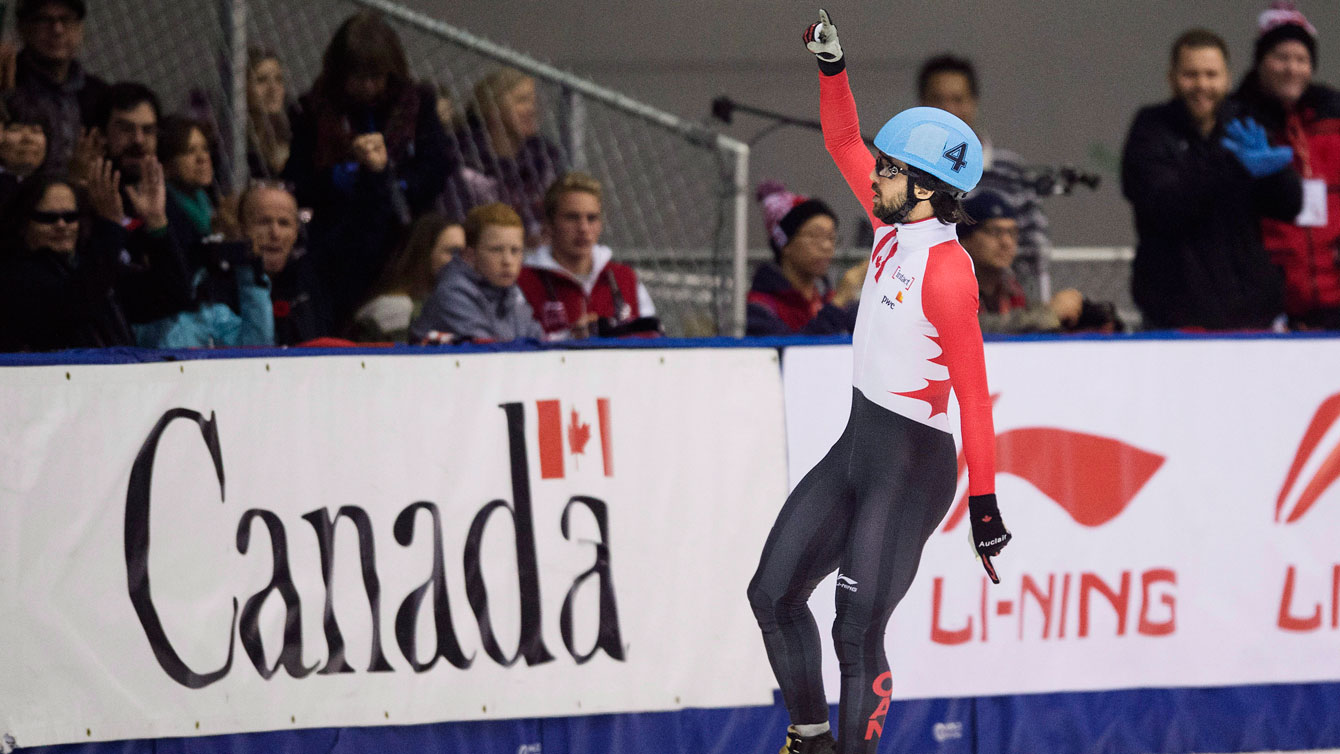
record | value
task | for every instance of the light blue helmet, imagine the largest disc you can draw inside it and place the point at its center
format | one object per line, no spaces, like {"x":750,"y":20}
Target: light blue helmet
{"x":935,"y":142}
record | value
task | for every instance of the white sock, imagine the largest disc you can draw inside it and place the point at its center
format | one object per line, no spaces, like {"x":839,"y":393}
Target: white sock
{"x":810,"y":731}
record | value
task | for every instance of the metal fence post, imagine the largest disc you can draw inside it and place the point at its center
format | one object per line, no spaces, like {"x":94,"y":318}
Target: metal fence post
{"x":574,"y":127}
{"x":668,"y":264}
{"x":741,"y":280}
{"x":235,"y":88}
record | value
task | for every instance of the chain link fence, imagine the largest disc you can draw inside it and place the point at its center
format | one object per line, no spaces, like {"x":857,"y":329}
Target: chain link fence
{"x":1101,"y":273}
{"x":675,"y":191}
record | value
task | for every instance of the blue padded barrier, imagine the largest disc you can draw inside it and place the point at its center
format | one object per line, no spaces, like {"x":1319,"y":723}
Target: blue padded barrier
{"x":1286,"y":717}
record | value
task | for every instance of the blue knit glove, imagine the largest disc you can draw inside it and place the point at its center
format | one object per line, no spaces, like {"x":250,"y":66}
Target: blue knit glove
{"x":1246,"y":139}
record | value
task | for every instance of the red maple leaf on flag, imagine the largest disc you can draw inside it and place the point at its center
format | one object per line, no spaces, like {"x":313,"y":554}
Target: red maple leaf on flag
{"x":578,"y":434}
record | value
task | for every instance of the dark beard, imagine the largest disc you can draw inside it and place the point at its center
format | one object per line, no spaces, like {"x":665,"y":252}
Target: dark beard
{"x":131,"y":165}
{"x":893,"y":214}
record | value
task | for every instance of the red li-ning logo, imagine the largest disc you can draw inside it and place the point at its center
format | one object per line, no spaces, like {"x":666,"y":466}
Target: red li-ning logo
{"x":1326,"y":472}
{"x":560,"y":441}
{"x":1092,"y":478}
{"x":883,"y":686}
{"x":1294,"y":501}
{"x":1145,"y":600}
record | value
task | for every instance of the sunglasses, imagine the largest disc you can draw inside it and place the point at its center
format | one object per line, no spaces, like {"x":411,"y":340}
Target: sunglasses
{"x":885,"y":168}
{"x":50,"y":218}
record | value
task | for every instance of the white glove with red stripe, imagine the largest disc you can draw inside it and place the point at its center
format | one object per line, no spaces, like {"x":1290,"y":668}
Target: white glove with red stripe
{"x":822,"y":39}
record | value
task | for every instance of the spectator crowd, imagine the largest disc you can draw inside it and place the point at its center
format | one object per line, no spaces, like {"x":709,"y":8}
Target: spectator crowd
{"x":375,"y":212}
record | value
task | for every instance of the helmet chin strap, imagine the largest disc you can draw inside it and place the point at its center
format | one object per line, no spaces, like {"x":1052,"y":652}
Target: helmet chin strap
{"x":901,"y":213}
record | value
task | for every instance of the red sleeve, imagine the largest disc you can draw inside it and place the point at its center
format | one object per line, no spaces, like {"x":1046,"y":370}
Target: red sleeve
{"x":950,"y":302}
{"x":532,"y":288}
{"x":842,"y":137}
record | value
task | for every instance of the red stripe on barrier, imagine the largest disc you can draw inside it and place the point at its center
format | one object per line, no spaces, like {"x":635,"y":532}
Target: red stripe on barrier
{"x":606,"y":439}
{"x":551,"y":439}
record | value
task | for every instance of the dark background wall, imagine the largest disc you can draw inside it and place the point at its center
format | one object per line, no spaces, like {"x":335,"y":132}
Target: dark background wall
{"x":1060,"y":78}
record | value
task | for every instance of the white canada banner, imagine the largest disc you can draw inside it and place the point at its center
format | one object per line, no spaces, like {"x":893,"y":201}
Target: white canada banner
{"x":241,"y":545}
{"x":1173,"y":511}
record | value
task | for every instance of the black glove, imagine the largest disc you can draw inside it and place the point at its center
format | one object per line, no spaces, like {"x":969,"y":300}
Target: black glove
{"x":989,"y":535}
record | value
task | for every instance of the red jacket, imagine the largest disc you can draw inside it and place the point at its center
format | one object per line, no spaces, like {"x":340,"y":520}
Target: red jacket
{"x":1309,"y":257}
{"x":560,"y":300}
{"x":777,"y":308}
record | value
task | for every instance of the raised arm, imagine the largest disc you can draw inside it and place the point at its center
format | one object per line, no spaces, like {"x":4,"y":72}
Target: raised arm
{"x":842,"y":137}
{"x":837,"y":113}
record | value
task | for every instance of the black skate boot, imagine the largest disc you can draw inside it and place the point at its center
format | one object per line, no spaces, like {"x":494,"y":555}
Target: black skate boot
{"x":820,"y":744}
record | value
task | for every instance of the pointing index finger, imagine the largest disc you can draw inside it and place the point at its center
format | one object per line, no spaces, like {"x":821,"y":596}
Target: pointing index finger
{"x":990,"y":569}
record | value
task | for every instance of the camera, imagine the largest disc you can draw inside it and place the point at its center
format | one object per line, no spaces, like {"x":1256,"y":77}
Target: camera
{"x":220,"y":260}
{"x":1099,"y":316}
{"x":608,"y":327}
{"x":1058,"y":181}
{"x":222,"y":256}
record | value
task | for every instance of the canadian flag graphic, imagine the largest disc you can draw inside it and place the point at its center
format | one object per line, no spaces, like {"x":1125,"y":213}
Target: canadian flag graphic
{"x":565,"y":433}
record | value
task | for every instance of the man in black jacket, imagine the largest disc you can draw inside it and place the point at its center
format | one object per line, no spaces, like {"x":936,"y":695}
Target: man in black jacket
{"x":1199,"y":186}
{"x":45,"y":79}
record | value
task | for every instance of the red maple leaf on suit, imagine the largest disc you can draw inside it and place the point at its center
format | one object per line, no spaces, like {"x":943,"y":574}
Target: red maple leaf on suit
{"x":881,"y":263}
{"x":578,"y":434}
{"x":936,"y":392}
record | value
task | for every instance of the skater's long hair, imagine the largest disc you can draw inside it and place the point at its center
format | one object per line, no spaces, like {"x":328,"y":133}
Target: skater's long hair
{"x":945,"y":202}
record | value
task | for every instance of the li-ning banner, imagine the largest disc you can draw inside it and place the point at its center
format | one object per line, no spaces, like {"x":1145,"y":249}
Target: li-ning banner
{"x":1174,"y":508}
{"x":244,"y":545}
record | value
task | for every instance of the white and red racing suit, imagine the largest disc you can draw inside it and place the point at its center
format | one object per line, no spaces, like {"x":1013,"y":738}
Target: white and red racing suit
{"x":869,"y":506}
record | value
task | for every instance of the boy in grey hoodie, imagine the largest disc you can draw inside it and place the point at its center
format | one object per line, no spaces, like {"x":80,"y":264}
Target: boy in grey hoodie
{"x":476,"y":296}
